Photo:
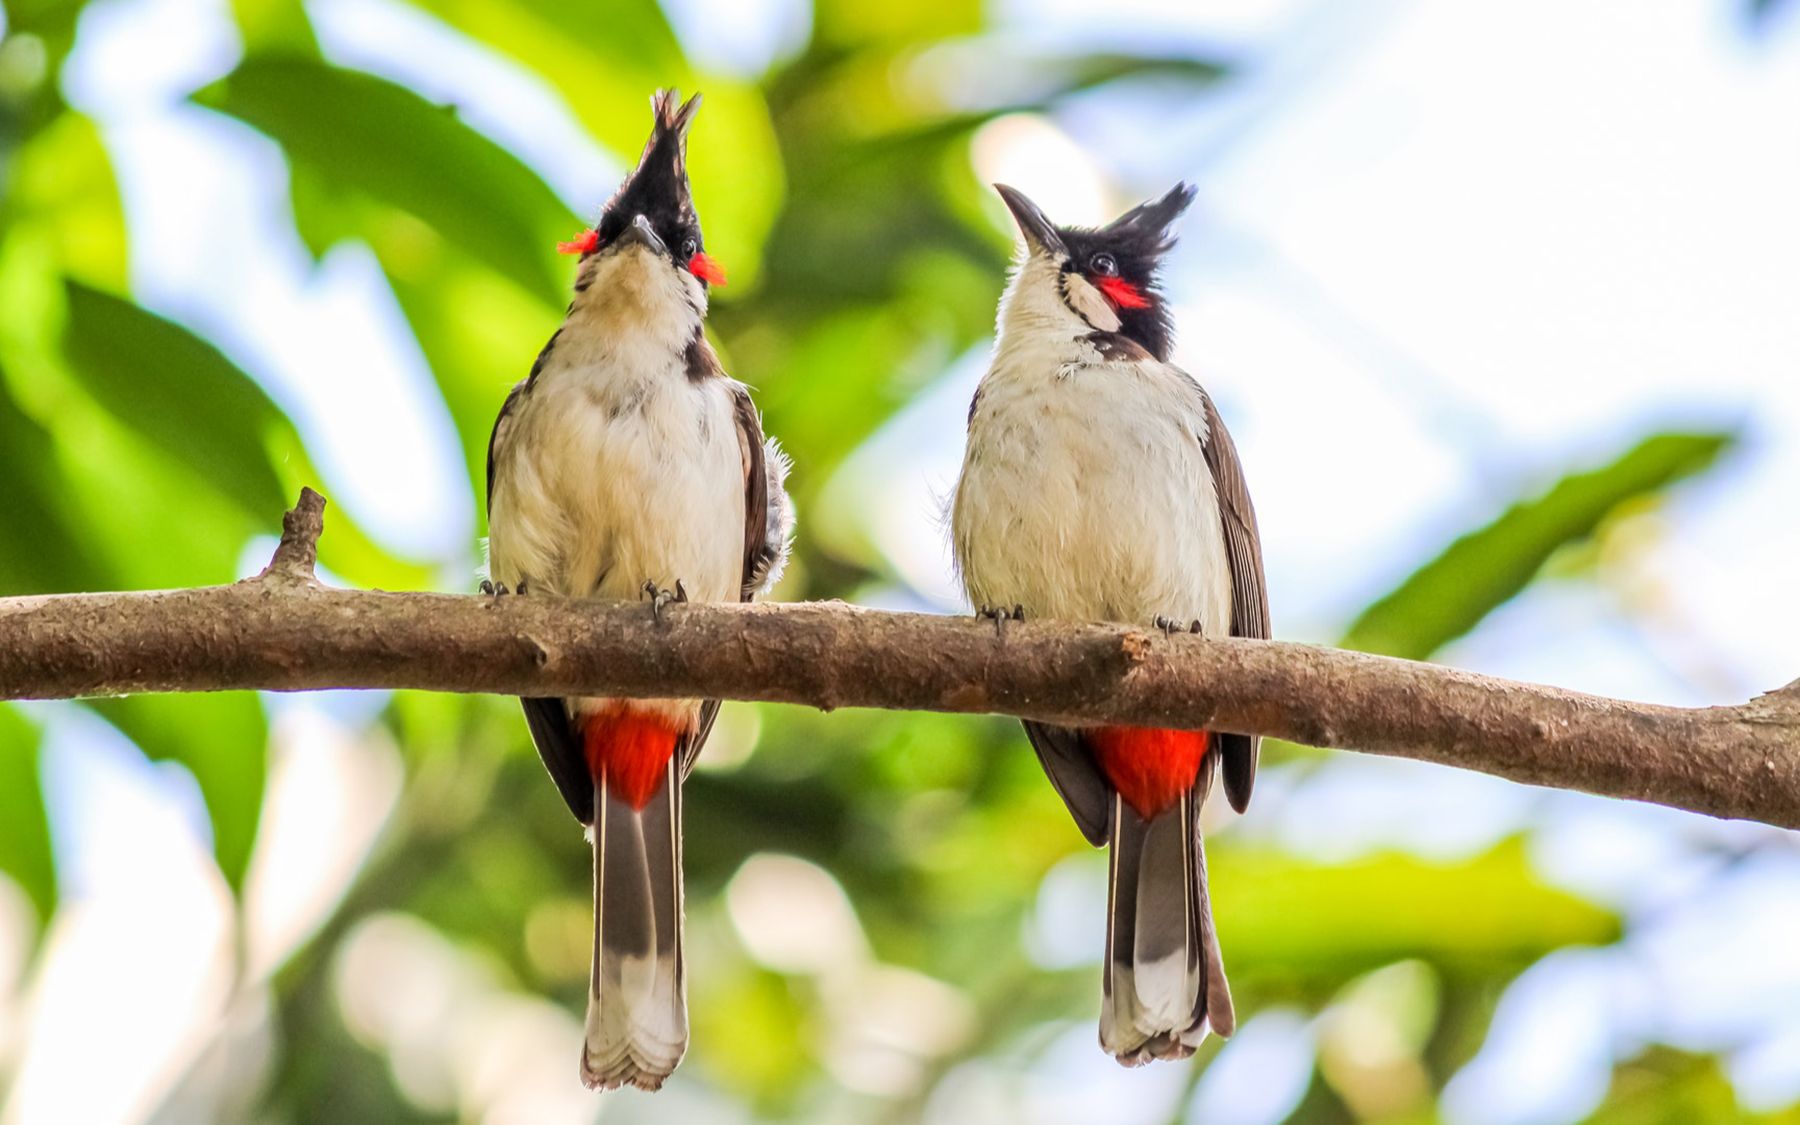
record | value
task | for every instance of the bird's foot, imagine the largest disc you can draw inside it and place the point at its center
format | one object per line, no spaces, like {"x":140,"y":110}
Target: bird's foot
{"x":1170,"y":626}
{"x":660,"y":597}
{"x":1001,"y":615}
{"x":494,"y":589}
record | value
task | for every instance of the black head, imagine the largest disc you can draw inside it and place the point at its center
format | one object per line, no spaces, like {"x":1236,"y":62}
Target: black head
{"x":654,"y":206}
{"x":1120,"y":260}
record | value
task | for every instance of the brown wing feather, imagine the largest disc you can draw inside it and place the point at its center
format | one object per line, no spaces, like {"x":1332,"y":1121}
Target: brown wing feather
{"x":1249,"y":589}
{"x":1069,"y":764}
{"x":759,"y":552}
{"x":557,"y":741}
{"x":756,"y":492}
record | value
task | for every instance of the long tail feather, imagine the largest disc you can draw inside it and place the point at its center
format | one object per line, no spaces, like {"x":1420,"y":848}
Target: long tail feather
{"x":637,"y":993}
{"x":1164,"y":980}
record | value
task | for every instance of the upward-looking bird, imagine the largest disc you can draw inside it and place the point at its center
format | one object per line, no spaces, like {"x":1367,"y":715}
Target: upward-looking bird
{"x":1099,"y":484}
{"x":626,"y":463}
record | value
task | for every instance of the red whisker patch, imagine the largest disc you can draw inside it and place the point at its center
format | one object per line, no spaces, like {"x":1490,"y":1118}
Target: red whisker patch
{"x":582,"y":243}
{"x":1123,"y":294}
{"x":707,"y":269}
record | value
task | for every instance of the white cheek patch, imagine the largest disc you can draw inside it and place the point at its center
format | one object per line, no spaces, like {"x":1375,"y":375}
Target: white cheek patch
{"x":1088,"y":303}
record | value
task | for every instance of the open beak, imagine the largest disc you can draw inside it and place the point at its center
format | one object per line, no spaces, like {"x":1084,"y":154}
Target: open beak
{"x":1039,"y":232}
{"x":640,"y":233}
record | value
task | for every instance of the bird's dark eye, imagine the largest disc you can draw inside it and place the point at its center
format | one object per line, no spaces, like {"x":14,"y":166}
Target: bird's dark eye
{"x":1103,"y":265}
{"x":689,"y":247}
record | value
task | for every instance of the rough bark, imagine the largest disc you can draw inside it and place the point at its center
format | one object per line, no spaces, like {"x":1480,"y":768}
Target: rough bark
{"x":284,"y":631}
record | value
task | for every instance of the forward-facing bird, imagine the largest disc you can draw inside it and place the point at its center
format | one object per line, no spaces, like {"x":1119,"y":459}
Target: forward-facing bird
{"x":628,"y":463}
{"x":1099,"y":484}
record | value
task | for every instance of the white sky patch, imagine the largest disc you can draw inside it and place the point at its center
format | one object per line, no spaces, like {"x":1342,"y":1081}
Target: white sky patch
{"x":136,"y":968}
{"x":1151,"y":26}
{"x":330,"y":791}
{"x":1547,"y":1057}
{"x":1259,"y":1075}
{"x":1072,"y":1080}
{"x":1067,"y":926}
{"x":1027,"y":152}
{"x":743,"y":38}
{"x":454,"y":1037}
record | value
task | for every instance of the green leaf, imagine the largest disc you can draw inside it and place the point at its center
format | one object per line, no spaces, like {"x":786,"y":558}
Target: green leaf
{"x":178,"y":391}
{"x":25,"y":851}
{"x":222,"y":739}
{"x":1491,"y":914}
{"x":41,"y":543}
{"x":387,"y":142}
{"x":1449,"y":595}
{"x":195,"y":406}
{"x":60,"y":193}
{"x":275,"y":27}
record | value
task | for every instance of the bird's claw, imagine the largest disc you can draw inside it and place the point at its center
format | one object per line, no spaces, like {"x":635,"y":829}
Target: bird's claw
{"x":494,"y":589}
{"x":659,"y":597}
{"x":1170,"y":626}
{"x":1001,"y":615}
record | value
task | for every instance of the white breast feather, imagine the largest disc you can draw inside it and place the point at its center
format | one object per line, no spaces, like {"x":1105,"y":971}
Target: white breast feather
{"x":1085,"y":493}
{"x":619,"y":469}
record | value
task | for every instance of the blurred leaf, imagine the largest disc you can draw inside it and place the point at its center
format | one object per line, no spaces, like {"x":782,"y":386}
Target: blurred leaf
{"x":52,"y":23}
{"x":1449,"y":595}
{"x":275,"y":27}
{"x":757,"y":1012}
{"x":1086,"y":71}
{"x":60,"y":191}
{"x":25,"y":850}
{"x":195,"y":406}
{"x":222,"y":739}
{"x":846,"y":22}
{"x":41,"y":549}
{"x":179,"y":392}
{"x":1668,"y":1086}
{"x":384,"y":140}
{"x":1491,"y":914}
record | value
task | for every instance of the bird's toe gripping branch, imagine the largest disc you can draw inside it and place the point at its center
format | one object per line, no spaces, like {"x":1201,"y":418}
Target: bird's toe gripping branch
{"x":1001,"y":615}
{"x":660,"y":597}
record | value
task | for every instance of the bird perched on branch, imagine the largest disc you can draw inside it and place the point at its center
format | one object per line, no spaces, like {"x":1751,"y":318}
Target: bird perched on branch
{"x":1099,"y":484}
{"x":628,"y":464}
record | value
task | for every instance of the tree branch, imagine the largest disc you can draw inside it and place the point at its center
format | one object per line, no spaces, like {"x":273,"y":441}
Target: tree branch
{"x":283,"y":631}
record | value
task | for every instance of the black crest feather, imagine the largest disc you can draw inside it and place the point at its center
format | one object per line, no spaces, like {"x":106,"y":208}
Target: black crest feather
{"x":658,"y":187}
{"x":1137,"y":241}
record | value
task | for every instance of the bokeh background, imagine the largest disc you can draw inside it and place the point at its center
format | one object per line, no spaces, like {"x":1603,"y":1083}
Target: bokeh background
{"x":1498,"y":298}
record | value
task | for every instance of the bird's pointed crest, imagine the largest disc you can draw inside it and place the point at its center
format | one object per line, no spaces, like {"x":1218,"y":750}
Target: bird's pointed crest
{"x":1146,"y":226}
{"x":658,"y":186}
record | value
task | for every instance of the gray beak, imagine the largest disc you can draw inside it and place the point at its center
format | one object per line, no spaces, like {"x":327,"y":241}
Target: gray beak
{"x":1039,"y":232}
{"x":640,"y":233}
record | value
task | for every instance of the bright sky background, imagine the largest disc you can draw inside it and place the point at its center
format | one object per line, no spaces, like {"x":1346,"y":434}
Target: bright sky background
{"x":1441,"y":253}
